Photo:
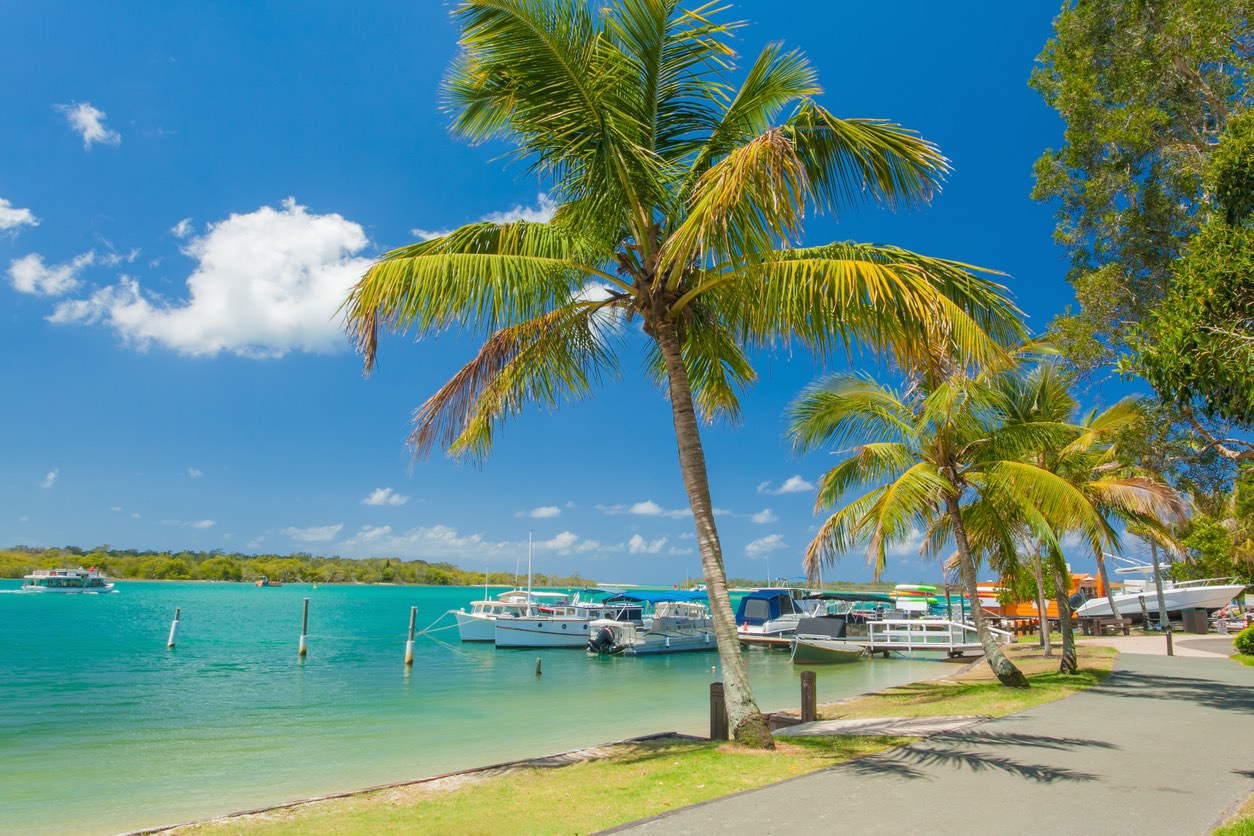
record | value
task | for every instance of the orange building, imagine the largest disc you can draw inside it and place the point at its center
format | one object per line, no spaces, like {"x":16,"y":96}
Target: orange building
{"x":1090,"y":585}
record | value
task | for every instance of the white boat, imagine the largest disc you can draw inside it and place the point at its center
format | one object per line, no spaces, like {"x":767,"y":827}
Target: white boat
{"x":680,"y":622}
{"x":479,"y":624}
{"x":67,"y":580}
{"x":1206,"y":594}
{"x":769,"y":616}
{"x":560,"y":626}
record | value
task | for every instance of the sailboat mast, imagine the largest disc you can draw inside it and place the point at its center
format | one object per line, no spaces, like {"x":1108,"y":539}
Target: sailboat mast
{"x":529,"y":611}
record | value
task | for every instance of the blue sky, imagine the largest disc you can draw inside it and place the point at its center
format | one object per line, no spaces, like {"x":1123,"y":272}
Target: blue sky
{"x":188,"y":189}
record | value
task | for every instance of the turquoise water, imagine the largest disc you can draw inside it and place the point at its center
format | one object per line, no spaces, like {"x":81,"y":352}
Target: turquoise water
{"x":102,"y":729}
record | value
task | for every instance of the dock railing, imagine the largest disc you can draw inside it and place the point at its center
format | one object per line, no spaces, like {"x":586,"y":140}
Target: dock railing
{"x":926,"y":634}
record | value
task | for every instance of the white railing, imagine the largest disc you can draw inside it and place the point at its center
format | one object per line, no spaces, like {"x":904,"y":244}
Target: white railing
{"x":924,"y":634}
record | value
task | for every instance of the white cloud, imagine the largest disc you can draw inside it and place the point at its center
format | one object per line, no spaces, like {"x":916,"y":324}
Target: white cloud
{"x":266,"y":283}
{"x":11,"y":217}
{"x":88,"y":122}
{"x":543,"y":512}
{"x":203,"y":524}
{"x":384,"y":496}
{"x":638,"y":545}
{"x":195,"y":472}
{"x":29,"y":274}
{"x":793,"y":484}
{"x":677,"y":550}
{"x":766,"y":515}
{"x":765,"y":545}
{"x":647,"y":508}
{"x":542,"y":212}
{"x":369,"y":533}
{"x":188,"y":523}
{"x":314,"y":534}
{"x":437,"y":542}
{"x":50,"y":479}
{"x":182,"y":229}
{"x":567,"y":543}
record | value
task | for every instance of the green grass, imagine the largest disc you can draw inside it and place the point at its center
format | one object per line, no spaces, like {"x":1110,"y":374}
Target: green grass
{"x":976,"y":692}
{"x":1242,"y":824}
{"x":1244,"y":659}
{"x":636,"y":781}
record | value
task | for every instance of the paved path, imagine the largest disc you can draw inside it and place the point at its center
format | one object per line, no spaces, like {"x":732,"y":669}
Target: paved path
{"x":1163,"y":746}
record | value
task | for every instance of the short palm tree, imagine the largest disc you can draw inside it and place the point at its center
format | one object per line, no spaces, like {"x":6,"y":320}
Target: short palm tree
{"x":923,"y":453}
{"x":1101,"y":490}
{"x":680,"y":201}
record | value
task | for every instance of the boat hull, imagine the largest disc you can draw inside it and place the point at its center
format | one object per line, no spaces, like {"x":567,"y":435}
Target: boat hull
{"x":473,"y":627}
{"x":825,"y":651}
{"x":1196,"y":598}
{"x":541,"y":632}
{"x":70,"y":590}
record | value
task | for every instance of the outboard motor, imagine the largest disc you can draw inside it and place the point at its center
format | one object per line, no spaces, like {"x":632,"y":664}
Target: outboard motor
{"x":1077,"y":600}
{"x":603,"y":642}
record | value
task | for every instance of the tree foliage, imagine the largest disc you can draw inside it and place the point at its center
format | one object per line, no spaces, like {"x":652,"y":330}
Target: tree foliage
{"x":296,"y":568}
{"x":1145,"y":89}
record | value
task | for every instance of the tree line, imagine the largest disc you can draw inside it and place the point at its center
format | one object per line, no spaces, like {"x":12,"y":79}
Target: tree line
{"x":300,"y":567}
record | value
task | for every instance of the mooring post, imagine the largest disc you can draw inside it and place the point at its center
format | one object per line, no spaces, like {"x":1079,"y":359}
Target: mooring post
{"x":174,"y":627}
{"x":718,"y":712}
{"x":809,"y":697}
{"x":409,"y":645}
{"x":537,"y":666}
{"x":304,"y":628}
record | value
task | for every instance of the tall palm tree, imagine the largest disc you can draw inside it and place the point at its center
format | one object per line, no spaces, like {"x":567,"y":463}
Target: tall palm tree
{"x":681,"y":200}
{"x":923,"y":452}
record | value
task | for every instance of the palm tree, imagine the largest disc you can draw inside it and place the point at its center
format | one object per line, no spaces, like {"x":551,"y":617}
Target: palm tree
{"x":1080,"y":461}
{"x":921,"y":448}
{"x":680,"y":199}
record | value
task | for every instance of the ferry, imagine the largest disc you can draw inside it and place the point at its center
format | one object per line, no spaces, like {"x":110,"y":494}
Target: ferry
{"x":67,"y":580}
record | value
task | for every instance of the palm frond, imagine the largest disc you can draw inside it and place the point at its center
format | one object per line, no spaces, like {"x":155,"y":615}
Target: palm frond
{"x":906,"y":506}
{"x":483,"y":276}
{"x":868,"y":464}
{"x":855,"y":161}
{"x":549,"y":360}
{"x":748,"y":204}
{"x":848,"y":407}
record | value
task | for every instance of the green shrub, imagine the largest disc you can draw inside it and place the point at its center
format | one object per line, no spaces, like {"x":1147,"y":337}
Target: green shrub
{"x":1244,"y":642}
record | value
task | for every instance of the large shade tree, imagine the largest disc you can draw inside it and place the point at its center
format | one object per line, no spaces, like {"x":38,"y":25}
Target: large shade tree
{"x":681,"y":200}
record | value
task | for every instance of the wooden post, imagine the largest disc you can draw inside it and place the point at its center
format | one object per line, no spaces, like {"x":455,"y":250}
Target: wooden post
{"x":409,"y":645}
{"x":718,"y":712}
{"x":174,"y":627}
{"x":809,"y":697}
{"x":304,"y":629}
{"x":538,"y":666}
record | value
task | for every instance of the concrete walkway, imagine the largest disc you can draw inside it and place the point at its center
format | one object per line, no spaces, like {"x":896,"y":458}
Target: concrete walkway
{"x":1163,"y":746}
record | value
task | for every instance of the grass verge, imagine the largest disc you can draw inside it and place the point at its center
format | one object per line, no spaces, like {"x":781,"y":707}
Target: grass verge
{"x":976,"y":691}
{"x":634,"y":781}
{"x":1244,"y":658}
{"x":1242,"y":824}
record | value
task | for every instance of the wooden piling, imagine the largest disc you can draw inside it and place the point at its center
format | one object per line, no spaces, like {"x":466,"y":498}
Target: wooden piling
{"x":718,"y":712}
{"x":174,"y":627}
{"x":304,"y":629}
{"x":409,"y":645}
{"x":537,"y":666}
{"x":809,"y":697}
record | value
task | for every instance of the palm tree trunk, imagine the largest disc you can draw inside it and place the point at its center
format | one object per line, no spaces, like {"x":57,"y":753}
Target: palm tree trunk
{"x":1042,"y":604}
{"x":748,"y":725}
{"x":1005,"y":670}
{"x":1110,"y":593}
{"x":1057,"y":569}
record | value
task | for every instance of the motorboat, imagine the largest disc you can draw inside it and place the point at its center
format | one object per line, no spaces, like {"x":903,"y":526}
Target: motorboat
{"x":678,"y":622}
{"x":1205,"y":594}
{"x":67,"y":580}
{"x":769,"y":616}
{"x":268,"y":582}
{"x":479,"y":623}
{"x":837,"y":632}
{"x":565,"y":625}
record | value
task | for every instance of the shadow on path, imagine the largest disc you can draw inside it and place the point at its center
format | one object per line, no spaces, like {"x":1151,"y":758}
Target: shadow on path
{"x":1205,"y":692}
{"x":953,"y":750}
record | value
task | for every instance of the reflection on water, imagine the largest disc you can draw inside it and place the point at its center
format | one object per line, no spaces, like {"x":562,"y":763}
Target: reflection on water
{"x":103,"y":729}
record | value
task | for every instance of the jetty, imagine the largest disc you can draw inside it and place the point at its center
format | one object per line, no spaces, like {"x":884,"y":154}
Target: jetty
{"x":903,"y":635}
